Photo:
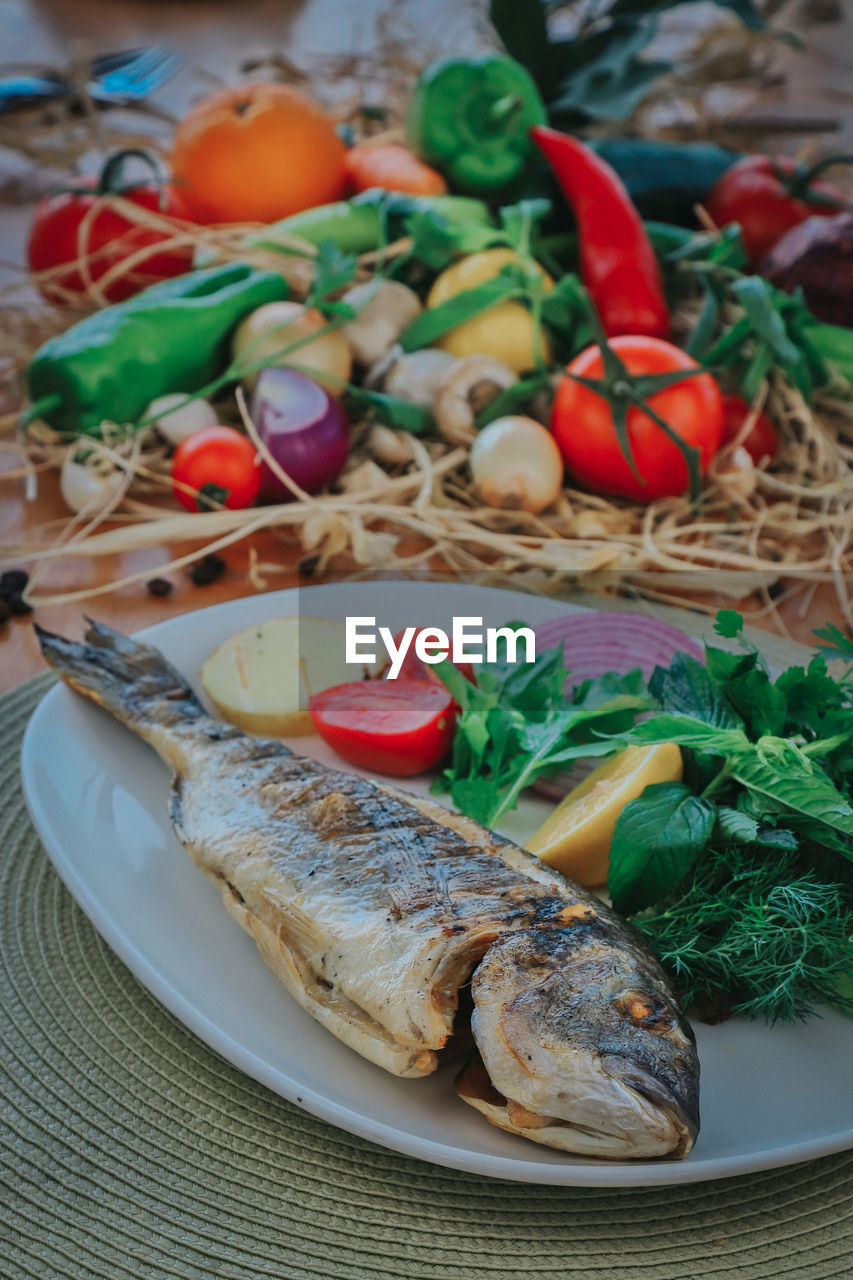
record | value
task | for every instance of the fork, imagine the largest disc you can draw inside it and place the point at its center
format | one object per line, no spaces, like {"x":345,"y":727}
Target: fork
{"x":137,"y":78}
{"x":126,"y":76}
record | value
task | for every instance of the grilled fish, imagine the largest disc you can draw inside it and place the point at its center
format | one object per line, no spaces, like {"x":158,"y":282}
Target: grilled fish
{"x":374,"y":907}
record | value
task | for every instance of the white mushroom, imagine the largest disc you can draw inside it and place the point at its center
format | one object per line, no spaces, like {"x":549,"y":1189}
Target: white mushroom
{"x":176,"y":417}
{"x":391,"y":448}
{"x":468,"y":387}
{"x":385,"y":308}
{"x":417,"y":377}
{"x":89,"y":480}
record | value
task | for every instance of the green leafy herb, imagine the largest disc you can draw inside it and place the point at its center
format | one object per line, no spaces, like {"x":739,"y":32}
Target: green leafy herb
{"x":657,"y":839}
{"x":392,"y":411}
{"x":516,"y":725}
{"x":836,"y":643}
{"x":433,"y":324}
{"x":748,"y":934}
{"x":598,"y":70}
{"x":333,"y":269}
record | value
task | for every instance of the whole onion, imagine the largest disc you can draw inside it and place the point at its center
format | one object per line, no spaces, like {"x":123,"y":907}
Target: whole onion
{"x":304,"y":429}
{"x":817,"y":257}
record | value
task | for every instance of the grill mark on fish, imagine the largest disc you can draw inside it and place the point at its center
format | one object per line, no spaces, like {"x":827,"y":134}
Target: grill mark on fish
{"x":374,"y":908}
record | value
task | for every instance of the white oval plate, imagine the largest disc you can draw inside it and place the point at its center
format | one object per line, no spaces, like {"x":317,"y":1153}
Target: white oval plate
{"x":99,"y":799}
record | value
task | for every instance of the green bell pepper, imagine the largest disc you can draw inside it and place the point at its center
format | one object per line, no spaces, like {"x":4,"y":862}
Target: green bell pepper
{"x":170,"y":337}
{"x":470,"y":118}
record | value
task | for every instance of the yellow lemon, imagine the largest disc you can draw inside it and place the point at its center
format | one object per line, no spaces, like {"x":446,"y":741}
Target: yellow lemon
{"x":576,"y":837}
{"x":505,"y":330}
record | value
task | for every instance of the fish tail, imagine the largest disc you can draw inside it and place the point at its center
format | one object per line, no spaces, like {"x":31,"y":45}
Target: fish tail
{"x":130,"y":679}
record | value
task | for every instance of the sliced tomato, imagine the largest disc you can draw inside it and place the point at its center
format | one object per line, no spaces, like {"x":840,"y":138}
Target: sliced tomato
{"x":412,"y":666}
{"x":400,"y":727}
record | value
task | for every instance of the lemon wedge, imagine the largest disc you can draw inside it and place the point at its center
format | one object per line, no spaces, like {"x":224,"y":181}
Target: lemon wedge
{"x":576,"y":837}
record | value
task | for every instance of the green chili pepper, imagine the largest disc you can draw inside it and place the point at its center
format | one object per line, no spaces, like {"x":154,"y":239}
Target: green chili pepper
{"x":171,"y":337}
{"x":470,"y":116}
{"x":367,"y":221}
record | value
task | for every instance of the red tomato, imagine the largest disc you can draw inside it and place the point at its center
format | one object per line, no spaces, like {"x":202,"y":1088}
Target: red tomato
{"x":583,"y":424}
{"x":83,"y":226}
{"x":412,"y":665}
{"x":218,"y":461}
{"x":762,"y":441}
{"x":399,"y":726}
{"x":767,"y":196}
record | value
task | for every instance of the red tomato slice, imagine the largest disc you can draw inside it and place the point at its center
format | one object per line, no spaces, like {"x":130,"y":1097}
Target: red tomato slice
{"x":400,"y":727}
{"x":413,"y":667}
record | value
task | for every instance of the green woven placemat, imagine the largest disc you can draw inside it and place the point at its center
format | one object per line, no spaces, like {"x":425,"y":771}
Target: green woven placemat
{"x":128,"y":1149}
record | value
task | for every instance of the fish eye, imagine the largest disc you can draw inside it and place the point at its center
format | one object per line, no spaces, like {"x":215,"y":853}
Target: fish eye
{"x":646,"y":1011}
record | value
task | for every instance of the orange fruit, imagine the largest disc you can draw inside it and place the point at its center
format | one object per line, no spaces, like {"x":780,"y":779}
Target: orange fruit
{"x":256,"y":153}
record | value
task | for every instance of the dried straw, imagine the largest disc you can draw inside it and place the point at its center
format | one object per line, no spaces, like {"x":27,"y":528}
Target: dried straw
{"x":788,"y":523}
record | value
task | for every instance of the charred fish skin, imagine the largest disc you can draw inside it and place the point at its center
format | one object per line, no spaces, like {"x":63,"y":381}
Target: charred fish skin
{"x":582,"y":1039}
{"x":373,"y":907}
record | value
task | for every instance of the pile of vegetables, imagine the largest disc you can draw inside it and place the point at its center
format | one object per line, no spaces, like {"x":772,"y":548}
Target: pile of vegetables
{"x":469,"y":310}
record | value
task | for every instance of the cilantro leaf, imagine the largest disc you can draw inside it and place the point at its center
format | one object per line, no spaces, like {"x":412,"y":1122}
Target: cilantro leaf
{"x":837,"y":644}
{"x":729,"y":624}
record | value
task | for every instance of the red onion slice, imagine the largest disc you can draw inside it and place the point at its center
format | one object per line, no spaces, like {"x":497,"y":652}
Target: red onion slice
{"x":595,"y":643}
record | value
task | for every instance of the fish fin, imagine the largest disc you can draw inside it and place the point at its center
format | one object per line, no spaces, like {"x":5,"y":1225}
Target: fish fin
{"x":126,"y":677}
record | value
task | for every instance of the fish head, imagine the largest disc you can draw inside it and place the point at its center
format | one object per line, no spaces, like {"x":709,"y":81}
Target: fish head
{"x":582,"y":1037}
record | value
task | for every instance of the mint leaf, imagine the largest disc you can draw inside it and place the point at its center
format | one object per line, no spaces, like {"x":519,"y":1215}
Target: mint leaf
{"x":657,"y":839}
{"x":686,"y":688}
{"x":797,"y":785}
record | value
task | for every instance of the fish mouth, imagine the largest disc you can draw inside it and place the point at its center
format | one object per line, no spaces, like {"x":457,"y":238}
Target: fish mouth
{"x":667,"y":1132}
{"x":682,"y":1113}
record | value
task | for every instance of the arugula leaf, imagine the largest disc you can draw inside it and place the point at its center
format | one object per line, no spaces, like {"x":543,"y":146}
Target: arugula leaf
{"x":657,"y":839}
{"x":516,"y":724}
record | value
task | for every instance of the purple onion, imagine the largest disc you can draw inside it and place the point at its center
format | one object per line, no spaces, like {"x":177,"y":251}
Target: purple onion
{"x":304,"y":429}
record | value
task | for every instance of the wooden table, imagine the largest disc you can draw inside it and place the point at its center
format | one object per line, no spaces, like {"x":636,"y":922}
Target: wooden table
{"x":215,"y":35}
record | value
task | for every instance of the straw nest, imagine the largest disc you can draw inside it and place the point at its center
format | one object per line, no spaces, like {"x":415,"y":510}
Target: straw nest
{"x":757,"y":529}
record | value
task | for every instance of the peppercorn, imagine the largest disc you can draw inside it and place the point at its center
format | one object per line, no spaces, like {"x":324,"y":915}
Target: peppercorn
{"x":207,"y":570}
{"x":18,"y":605}
{"x":159,"y":586}
{"x":12,"y":582}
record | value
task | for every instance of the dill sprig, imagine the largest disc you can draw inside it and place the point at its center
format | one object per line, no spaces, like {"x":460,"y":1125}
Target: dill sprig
{"x":757,"y":932}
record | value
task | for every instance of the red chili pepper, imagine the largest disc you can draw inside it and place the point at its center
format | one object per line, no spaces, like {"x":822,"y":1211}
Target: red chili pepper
{"x":618,"y":263}
{"x":768,"y":195}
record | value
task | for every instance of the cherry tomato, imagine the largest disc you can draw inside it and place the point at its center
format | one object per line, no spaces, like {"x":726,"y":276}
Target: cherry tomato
{"x":762,"y":441}
{"x":583,"y":426}
{"x":83,"y":225}
{"x":412,"y":666}
{"x":767,"y":196}
{"x":222,"y":464}
{"x":400,"y":727}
